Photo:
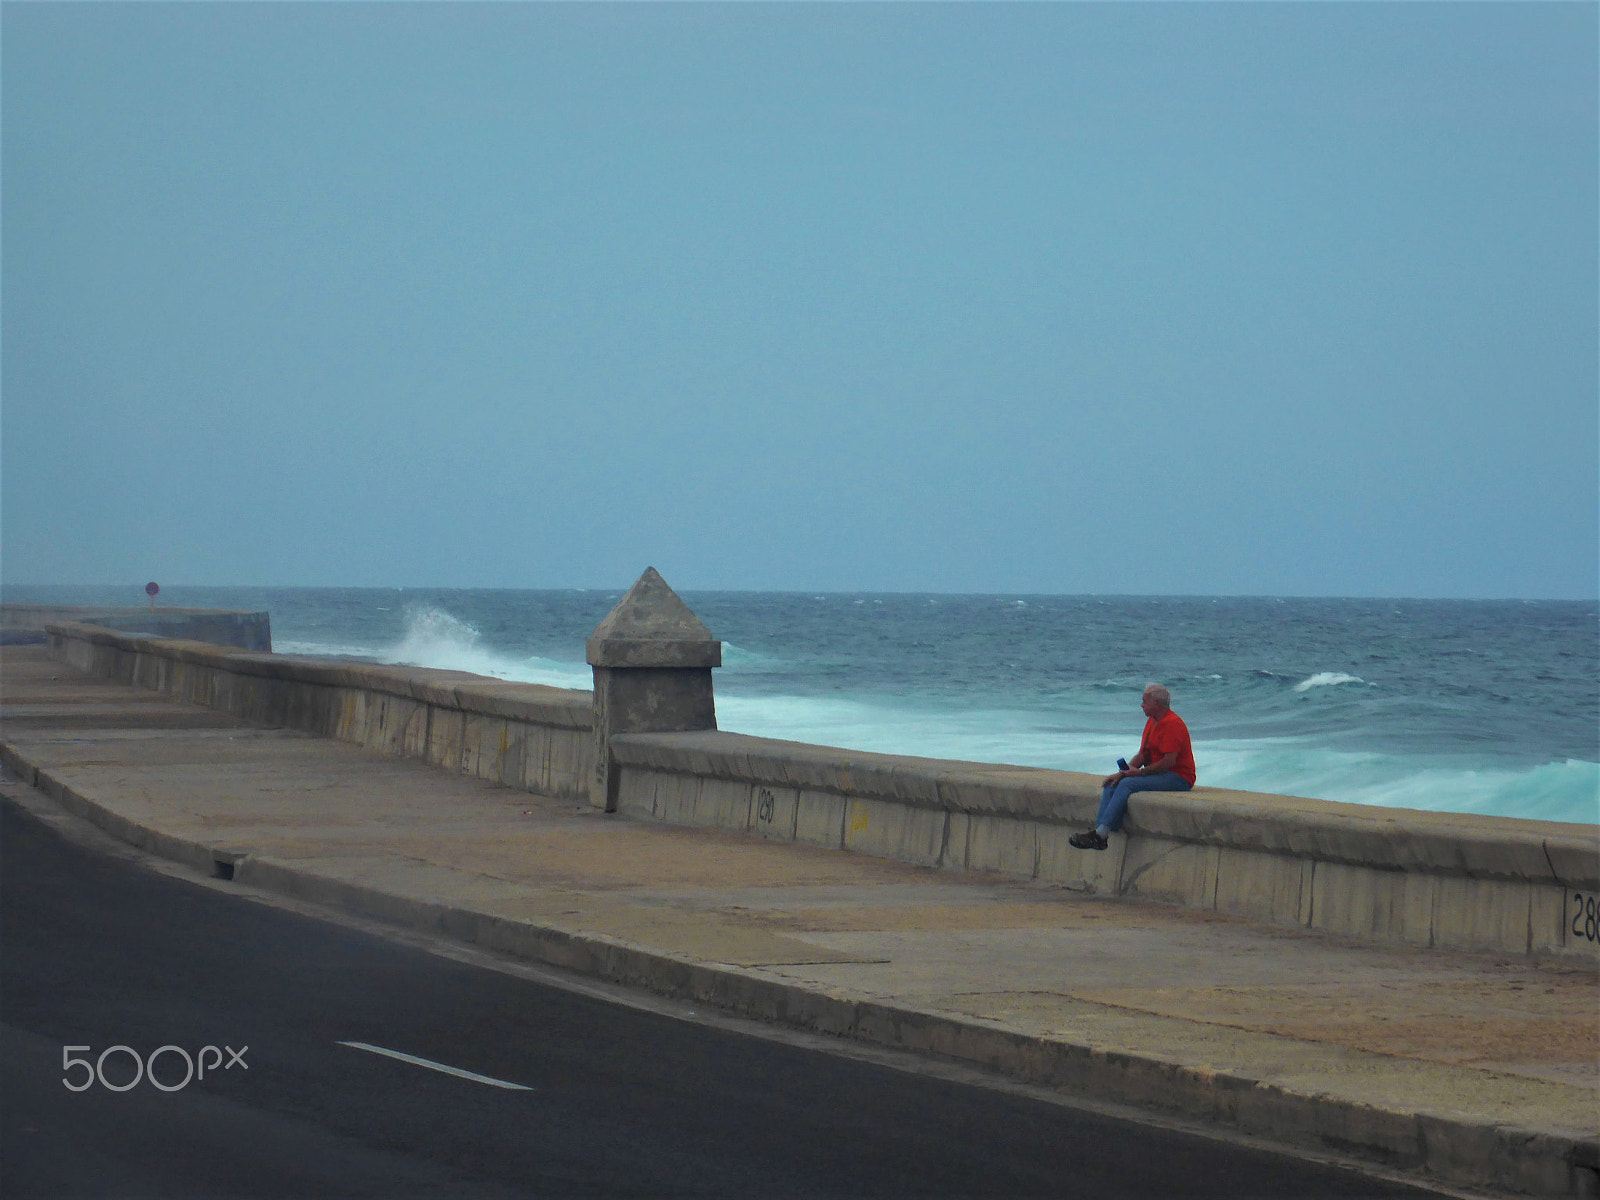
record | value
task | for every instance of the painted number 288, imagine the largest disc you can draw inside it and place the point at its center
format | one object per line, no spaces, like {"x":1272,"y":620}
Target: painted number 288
{"x":1585,"y":917}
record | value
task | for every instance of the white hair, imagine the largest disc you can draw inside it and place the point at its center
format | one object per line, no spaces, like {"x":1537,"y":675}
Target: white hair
{"x":1159,"y":692}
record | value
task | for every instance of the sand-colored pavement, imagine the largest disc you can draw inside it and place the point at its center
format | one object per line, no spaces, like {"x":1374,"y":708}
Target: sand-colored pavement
{"x":1480,"y":1069}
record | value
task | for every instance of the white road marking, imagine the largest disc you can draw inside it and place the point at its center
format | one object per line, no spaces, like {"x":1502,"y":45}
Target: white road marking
{"x":433,"y":1066}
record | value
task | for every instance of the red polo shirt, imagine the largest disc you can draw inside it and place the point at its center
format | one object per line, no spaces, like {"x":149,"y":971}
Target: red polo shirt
{"x":1162,"y":737}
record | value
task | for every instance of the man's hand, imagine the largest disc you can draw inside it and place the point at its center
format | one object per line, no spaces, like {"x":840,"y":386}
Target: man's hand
{"x":1113,"y":780}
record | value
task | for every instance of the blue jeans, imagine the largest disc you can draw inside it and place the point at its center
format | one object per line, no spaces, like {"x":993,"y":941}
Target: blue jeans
{"x":1114,"y":799}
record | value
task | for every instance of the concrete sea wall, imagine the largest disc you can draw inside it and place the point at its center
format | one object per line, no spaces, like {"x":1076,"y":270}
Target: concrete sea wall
{"x":520,"y":734}
{"x":1430,"y":879}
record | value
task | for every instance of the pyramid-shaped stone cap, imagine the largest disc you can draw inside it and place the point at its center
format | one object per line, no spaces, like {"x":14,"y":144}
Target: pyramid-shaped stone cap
{"x":652,"y":627}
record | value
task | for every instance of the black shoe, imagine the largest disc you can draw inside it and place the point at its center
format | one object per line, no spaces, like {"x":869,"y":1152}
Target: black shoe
{"x":1091,"y":840}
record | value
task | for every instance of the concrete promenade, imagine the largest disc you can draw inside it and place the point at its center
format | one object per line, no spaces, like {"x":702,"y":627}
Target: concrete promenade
{"x":1480,"y":1070}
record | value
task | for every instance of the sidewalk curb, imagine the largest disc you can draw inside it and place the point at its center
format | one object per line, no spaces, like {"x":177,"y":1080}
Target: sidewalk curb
{"x":1502,"y":1157}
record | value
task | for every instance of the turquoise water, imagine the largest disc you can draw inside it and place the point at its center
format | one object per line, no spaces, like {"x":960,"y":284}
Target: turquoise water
{"x":1467,"y":706}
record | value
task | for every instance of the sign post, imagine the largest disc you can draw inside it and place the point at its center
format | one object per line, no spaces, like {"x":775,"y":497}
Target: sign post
{"x":150,"y":589}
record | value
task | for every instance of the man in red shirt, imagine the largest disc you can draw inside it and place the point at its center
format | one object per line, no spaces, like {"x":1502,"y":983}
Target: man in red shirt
{"x":1165,"y":763}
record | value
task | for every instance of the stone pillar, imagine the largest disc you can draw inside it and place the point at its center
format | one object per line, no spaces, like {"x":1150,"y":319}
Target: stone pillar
{"x":652,"y":662}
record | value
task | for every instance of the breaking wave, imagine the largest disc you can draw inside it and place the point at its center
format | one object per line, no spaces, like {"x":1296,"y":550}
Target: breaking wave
{"x":1326,"y":679}
{"x":436,"y":638}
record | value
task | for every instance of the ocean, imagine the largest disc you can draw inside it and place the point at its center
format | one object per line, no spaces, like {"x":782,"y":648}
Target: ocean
{"x":1450,"y":705}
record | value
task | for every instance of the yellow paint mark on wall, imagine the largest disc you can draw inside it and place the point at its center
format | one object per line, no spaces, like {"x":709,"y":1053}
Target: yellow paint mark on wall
{"x":858,"y":816}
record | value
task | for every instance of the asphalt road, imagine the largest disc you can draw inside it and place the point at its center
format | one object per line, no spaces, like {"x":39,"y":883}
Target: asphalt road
{"x":611,"y":1101}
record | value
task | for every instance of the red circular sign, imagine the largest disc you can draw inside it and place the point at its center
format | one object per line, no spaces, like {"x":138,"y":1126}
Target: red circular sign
{"x":150,"y":589}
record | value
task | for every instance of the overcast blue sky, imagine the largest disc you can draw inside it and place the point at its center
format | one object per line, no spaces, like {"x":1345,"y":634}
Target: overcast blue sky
{"x":1294,"y":299}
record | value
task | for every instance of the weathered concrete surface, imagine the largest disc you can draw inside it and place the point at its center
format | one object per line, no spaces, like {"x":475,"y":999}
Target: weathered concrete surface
{"x":521,"y":734}
{"x":651,"y":626}
{"x":1423,"y":878}
{"x":652,"y":661}
{"x":1481,"y":1069}
{"x":25,"y":623}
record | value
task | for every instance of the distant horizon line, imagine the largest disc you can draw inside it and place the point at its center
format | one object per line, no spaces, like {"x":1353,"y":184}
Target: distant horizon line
{"x":139,"y":590}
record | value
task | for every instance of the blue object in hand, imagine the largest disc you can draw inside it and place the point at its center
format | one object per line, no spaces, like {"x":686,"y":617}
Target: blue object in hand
{"x":1122,"y":764}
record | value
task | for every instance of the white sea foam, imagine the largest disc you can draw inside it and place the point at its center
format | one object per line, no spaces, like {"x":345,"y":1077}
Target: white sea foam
{"x":435,"y":638}
{"x":323,"y":649}
{"x":737,"y":658}
{"x":432,"y":633}
{"x":1557,"y":791}
{"x":1326,"y":679}
{"x":1568,"y":790}
{"x":976,"y":736}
